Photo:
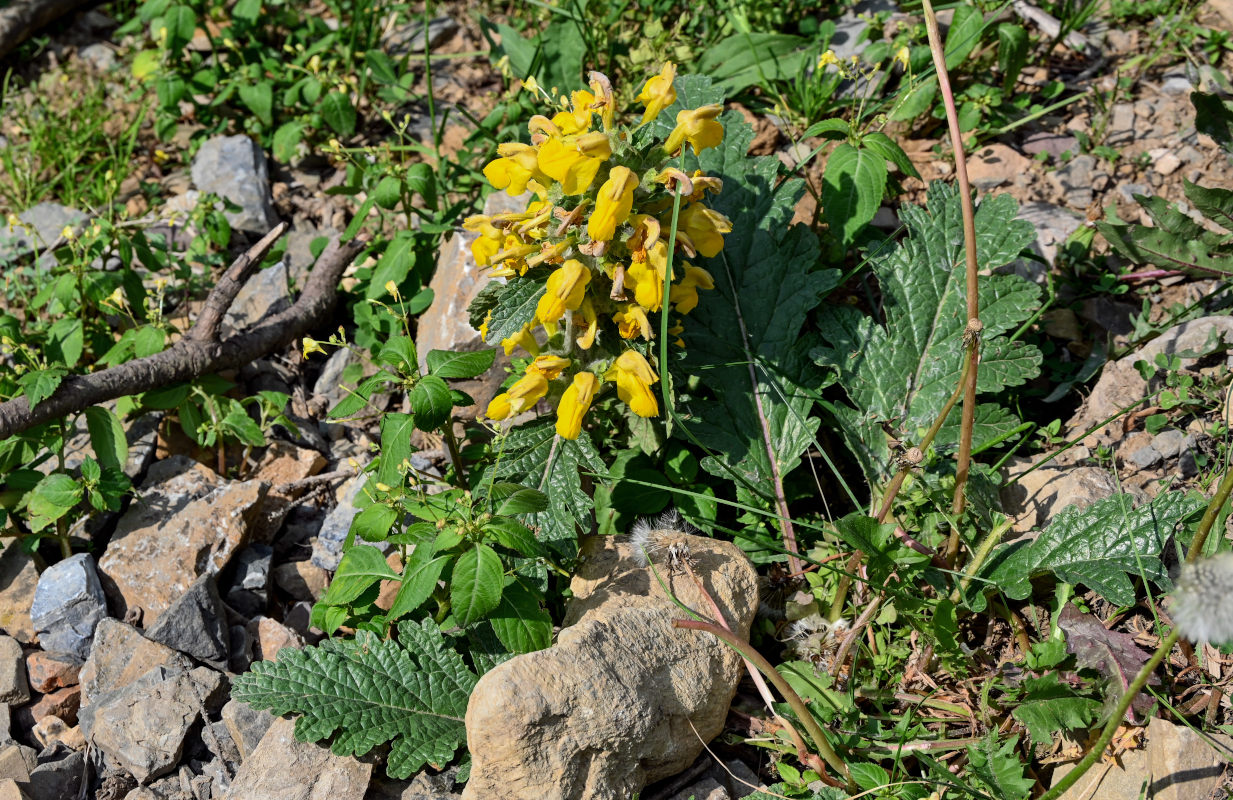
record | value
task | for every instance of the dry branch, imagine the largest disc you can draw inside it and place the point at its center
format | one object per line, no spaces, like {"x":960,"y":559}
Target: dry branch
{"x":199,"y":352}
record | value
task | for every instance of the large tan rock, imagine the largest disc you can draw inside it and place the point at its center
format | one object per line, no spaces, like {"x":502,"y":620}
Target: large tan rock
{"x":187,"y":522}
{"x":119,"y":657}
{"x":623,"y":698}
{"x":18,"y":579}
{"x":1035,"y":497}
{"x":283,"y":769}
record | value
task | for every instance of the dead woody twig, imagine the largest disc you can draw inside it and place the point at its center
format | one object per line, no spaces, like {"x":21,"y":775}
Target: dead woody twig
{"x":200,"y":351}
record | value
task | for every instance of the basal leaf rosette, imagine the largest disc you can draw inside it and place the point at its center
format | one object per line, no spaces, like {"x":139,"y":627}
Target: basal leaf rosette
{"x":592,"y":244}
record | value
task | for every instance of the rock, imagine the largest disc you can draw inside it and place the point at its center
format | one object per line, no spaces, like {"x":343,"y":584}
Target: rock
{"x":14,"y":689}
{"x":1121,"y":130}
{"x":58,"y":779}
{"x":331,"y":385}
{"x":246,"y":725}
{"x":603,"y":712}
{"x":234,"y":167}
{"x":299,"y":619}
{"x":248,"y":593}
{"x":51,"y":731}
{"x":1052,"y":143}
{"x":1032,"y":500}
{"x":195,"y":624}
{"x":1175,"y":763}
{"x":410,"y":38}
{"x":6,"y":724}
{"x":282,"y":768}
{"x":456,"y":282}
{"x":272,"y":636}
{"x":994,"y":165}
{"x":9,"y":790}
{"x":18,"y":579}
{"x":143,"y":726}
{"x":68,"y":604}
{"x":263,"y":294}
{"x":283,"y":462}
{"x":1074,"y":180}
{"x":303,"y":580}
{"x":1129,"y":190}
{"x":298,"y":256}
{"x":188,"y":522}
{"x":17,"y":761}
{"x":1169,"y":443}
{"x":1054,"y":224}
{"x":41,"y":226}
{"x":241,"y":648}
{"x":62,"y":703}
{"x":850,"y":27}
{"x":423,"y":786}
{"x":98,"y":55}
{"x":1167,"y":164}
{"x":1120,"y":384}
{"x":327,"y":549}
{"x":706,"y":789}
{"x":1144,"y":457}
{"x":120,"y":656}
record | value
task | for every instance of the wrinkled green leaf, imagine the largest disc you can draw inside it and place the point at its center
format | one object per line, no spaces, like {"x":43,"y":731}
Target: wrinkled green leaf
{"x":107,"y":437}
{"x":476,"y":584}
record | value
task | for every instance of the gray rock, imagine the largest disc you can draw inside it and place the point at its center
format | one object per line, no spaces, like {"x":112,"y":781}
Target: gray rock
{"x":41,"y":225}
{"x":1169,"y":443}
{"x":1121,"y":130}
{"x":120,"y":656}
{"x":14,"y":687}
{"x":221,"y":744}
{"x":1054,"y":144}
{"x":1054,"y":224}
{"x":241,"y":648}
{"x":850,"y":27}
{"x":58,"y":778}
{"x":330,"y":383}
{"x":195,"y":625}
{"x":282,"y":768}
{"x":597,"y":714}
{"x":706,"y":789}
{"x":6,"y":724}
{"x":142,"y":728}
{"x":68,"y":604}
{"x":409,"y":38}
{"x":298,"y":256}
{"x":234,"y":167}
{"x":1129,"y":190}
{"x":245,"y":725}
{"x":1075,"y":180}
{"x":264,"y":293}
{"x":252,"y":568}
{"x":1033,"y":499}
{"x":98,"y":55}
{"x":327,"y":548}
{"x":1145,"y":457}
{"x":17,"y":761}
{"x":1187,"y":464}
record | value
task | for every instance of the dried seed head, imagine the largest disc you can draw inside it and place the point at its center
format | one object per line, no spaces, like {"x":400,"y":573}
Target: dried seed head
{"x":1202,"y":606}
{"x":660,"y":539}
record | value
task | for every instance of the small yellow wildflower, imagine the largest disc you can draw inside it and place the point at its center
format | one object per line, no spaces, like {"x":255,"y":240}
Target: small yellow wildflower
{"x":684,"y":295}
{"x":312,"y":346}
{"x":566,"y":165}
{"x":565,"y":290}
{"x":523,"y":339}
{"x":658,"y":92}
{"x":517,"y":166}
{"x":631,"y":321}
{"x":575,"y":403}
{"x":590,"y":325}
{"x":392,"y":290}
{"x":697,"y":126}
{"x":702,"y":229}
{"x":524,"y":394}
{"x":612,"y":206}
{"x":828,"y":59}
{"x":901,"y":57}
{"x":633,"y":377}
{"x":549,"y":366}
{"x":68,"y":233}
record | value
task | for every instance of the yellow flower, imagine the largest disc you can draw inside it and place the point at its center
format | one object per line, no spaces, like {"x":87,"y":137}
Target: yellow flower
{"x":590,"y":325}
{"x":517,"y":166}
{"x":567,"y":166}
{"x":647,"y":277}
{"x":684,"y":295}
{"x":631,"y":321}
{"x":612,"y":205}
{"x":658,"y":92}
{"x":523,"y":339}
{"x":646,"y":232}
{"x":524,"y":394}
{"x":901,"y":56}
{"x":698,"y":127}
{"x":575,"y":403}
{"x":68,"y":233}
{"x":565,"y":290}
{"x":701,"y":229}
{"x":633,"y":377}
{"x":549,"y":366}
{"x":601,"y":88}
{"x":483,"y":329}
{"x":392,"y":289}
{"x":594,"y":145}
{"x":312,"y":346}
{"x":530,"y":85}
{"x":828,"y":59}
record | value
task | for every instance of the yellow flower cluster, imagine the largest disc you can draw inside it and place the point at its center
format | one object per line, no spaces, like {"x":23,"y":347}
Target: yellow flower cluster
{"x":596,"y":233}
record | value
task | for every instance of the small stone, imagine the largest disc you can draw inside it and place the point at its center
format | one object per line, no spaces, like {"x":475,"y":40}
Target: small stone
{"x":1074,"y":179}
{"x":281,"y":768}
{"x":68,"y":604}
{"x":1176,"y":85}
{"x":6,"y":724}
{"x":272,"y":636}
{"x":994,"y":165}
{"x":409,"y":39}
{"x":51,"y":671}
{"x":1187,"y":465}
{"x":263,"y":294}
{"x":705,"y":789}
{"x":299,"y":619}
{"x":18,"y":579}
{"x":252,"y":568}
{"x":40,"y":226}
{"x":246,"y":725}
{"x":1169,"y":443}
{"x":120,"y":656}
{"x":9,"y":790}
{"x":330,"y":385}
{"x":1054,"y":225}
{"x":195,"y":624}
{"x":1033,"y":499}
{"x":60,"y":778}
{"x":98,"y":55}
{"x":1167,"y":164}
{"x":1053,"y":144}
{"x":1121,"y":130}
{"x":1129,"y":190}
{"x":62,"y":703}
{"x":51,"y":731}
{"x":1145,"y":457}
{"x":234,"y":167}
{"x":16,"y":762}
{"x":302,"y":580}
{"x":14,"y":689}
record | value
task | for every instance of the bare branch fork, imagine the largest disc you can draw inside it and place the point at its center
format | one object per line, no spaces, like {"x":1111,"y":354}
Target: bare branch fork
{"x":200,"y":351}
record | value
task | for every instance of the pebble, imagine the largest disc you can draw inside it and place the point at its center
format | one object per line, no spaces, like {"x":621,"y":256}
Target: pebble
{"x":14,"y":689}
{"x":1168,"y":164}
{"x":68,"y":604}
{"x":234,"y":167}
{"x":1146,"y":456}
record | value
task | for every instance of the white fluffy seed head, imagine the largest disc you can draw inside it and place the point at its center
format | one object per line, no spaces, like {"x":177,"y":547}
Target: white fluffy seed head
{"x":661,"y":535}
{"x":1202,"y":606}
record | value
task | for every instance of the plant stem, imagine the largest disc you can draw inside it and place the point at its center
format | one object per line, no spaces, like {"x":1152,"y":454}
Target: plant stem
{"x":794,"y":700}
{"x":972,"y":333}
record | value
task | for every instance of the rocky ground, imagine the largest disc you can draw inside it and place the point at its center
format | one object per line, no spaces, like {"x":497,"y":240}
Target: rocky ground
{"x":115,"y":666}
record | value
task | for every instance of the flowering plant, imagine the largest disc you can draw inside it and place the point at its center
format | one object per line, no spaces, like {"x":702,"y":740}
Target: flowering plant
{"x":591,"y":257}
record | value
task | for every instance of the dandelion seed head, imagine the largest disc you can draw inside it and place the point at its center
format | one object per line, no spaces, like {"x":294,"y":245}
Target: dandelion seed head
{"x":1202,"y":606}
{"x":661,"y":536}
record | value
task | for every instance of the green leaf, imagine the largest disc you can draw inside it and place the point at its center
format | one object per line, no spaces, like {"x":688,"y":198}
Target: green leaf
{"x":360,"y":568}
{"x":889,"y":149}
{"x":395,"y":446}
{"x":247,"y":11}
{"x":90,"y":470}
{"x":243,"y":427}
{"x":400,"y":353}
{"x":964,"y":34}
{"x":65,"y":341}
{"x":382,"y":66}
{"x":1100,"y":547}
{"x":536,"y":456}
{"x":287,"y":140}
{"x":1050,"y":706}
{"x":449,"y":364}
{"x":388,"y":193}
{"x":1213,"y":116}
{"x":419,"y":580}
{"x":431,"y":401}
{"x":904,"y":372}
{"x":514,"y":308}
{"x":852,"y":188}
{"x":515,"y":536}
{"x":523,"y":501}
{"x":916,"y":100}
{"x":358,"y":398}
{"x":259,"y":97}
{"x":107,"y":437}
{"x":475,"y":585}
{"x":180,"y":22}
{"x":38,"y":385}
{"x":999,"y":768}
{"x":748,"y":59}
{"x":395,"y":264}
{"x":338,"y":113}
{"x":521,"y":624}
{"x":148,"y":340}
{"x":411,"y":692}
{"x":835,"y":128}
{"x":374,"y":523}
{"x":1216,"y":204}
{"x":1012,"y":53}
{"x":53,"y":497}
